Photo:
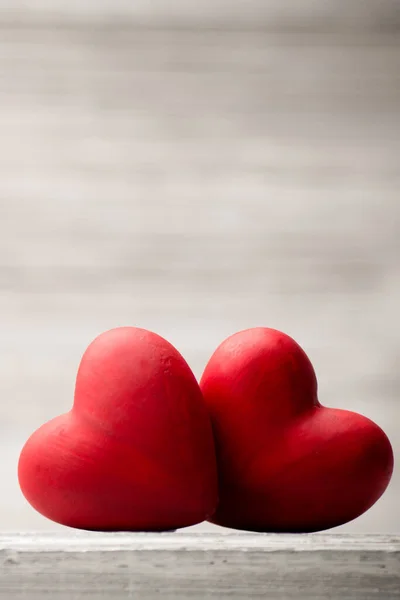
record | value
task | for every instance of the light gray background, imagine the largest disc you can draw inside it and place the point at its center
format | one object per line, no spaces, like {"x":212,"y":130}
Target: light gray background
{"x":195,"y":168}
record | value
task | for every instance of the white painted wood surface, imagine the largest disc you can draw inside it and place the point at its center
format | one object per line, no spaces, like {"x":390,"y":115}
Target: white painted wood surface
{"x":196,"y":182}
{"x":194,"y":566}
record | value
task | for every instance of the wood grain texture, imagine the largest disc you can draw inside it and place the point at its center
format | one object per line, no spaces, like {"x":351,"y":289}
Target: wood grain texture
{"x":272,"y":15}
{"x":194,"y":566}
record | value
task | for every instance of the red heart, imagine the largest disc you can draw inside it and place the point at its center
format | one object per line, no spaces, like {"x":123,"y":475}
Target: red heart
{"x":286,"y":463}
{"x":135,"y":452}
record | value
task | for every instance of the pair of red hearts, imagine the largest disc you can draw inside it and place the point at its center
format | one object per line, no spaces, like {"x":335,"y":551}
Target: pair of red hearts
{"x":146,"y":448}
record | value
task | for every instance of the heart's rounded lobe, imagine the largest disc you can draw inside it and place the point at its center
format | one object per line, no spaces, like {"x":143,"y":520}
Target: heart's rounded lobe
{"x":136,"y":451}
{"x":286,"y":463}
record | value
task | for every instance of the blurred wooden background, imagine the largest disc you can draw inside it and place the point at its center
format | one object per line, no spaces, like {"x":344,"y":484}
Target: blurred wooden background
{"x":196,"y":168}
